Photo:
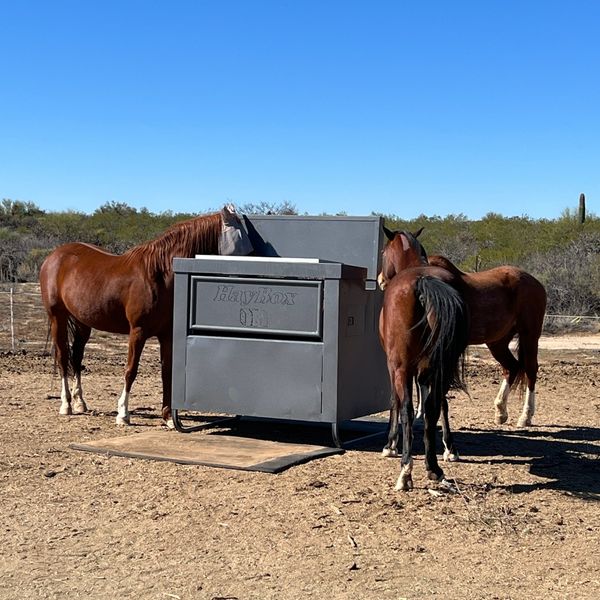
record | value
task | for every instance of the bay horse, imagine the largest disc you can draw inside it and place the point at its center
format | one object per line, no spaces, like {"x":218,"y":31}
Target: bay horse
{"x":504,"y":302}
{"x":84,"y":287}
{"x":423,"y":329}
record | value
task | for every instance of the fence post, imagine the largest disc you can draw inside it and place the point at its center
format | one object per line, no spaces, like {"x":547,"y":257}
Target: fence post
{"x":12,"y":322}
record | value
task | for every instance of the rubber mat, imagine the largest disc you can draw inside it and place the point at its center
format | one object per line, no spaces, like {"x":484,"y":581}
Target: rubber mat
{"x":199,"y":448}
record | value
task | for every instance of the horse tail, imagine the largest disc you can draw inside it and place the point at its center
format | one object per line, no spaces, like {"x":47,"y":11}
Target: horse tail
{"x":520,"y":381}
{"x":71,"y":331}
{"x":446,"y":332}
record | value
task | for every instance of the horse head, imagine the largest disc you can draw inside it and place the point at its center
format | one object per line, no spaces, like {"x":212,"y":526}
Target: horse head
{"x":402,"y":251}
{"x":233,"y":240}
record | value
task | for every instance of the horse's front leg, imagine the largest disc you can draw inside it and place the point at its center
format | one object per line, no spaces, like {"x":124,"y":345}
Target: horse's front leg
{"x":405,"y":481}
{"x":450,"y":453}
{"x":166,"y":363}
{"x":137,"y":340}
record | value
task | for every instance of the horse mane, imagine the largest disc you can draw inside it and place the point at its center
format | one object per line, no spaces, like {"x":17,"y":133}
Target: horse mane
{"x":199,"y":235}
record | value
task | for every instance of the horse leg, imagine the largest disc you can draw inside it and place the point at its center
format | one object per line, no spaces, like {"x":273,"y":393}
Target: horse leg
{"x":166,"y":359}
{"x":58,"y":330}
{"x":81,"y":336}
{"x":431,"y":412}
{"x":510,"y":369}
{"x":422,"y":393}
{"x":391,"y":448}
{"x":528,"y":350}
{"x":450,"y":453}
{"x":137,"y":339}
{"x":403,"y":389}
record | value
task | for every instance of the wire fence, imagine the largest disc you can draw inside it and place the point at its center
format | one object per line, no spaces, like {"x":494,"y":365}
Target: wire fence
{"x":24,"y":324}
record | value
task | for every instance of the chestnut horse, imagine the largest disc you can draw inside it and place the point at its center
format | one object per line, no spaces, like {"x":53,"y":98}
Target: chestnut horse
{"x":504,"y":303}
{"x":84,"y":288}
{"x":423,"y":329}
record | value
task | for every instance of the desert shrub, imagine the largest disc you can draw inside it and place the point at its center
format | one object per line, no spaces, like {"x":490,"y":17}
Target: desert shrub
{"x":571,"y":275}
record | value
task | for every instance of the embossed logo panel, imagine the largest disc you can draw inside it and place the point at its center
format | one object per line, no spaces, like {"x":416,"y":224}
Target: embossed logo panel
{"x":272,"y":306}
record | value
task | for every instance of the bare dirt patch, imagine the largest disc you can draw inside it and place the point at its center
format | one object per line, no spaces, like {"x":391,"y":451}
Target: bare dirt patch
{"x":525,"y":523}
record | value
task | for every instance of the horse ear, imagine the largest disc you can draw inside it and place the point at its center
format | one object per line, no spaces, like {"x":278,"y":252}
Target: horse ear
{"x":388,"y":233}
{"x":229,"y":214}
{"x":418,"y":233}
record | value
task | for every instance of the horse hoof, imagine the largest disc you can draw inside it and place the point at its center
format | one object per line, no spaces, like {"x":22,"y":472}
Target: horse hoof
{"x":448,"y":486}
{"x":65,"y":410}
{"x":170,"y":424}
{"x":123,"y":420}
{"x":501,"y":419}
{"x":404,"y":484}
{"x":451,"y":456}
{"x":435,"y":476}
{"x":79,"y":407}
{"x":524,"y":422}
{"x":389,"y":453}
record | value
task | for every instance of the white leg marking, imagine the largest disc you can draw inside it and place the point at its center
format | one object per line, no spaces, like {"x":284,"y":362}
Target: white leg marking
{"x":528,"y":409}
{"x":451,"y":456}
{"x":422,"y":393}
{"x":123,"y":409}
{"x":389,"y":452}
{"x":65,"y":398}
{"x":405,"y":482}
{"x":78,"y":402}
{"x":500,"y":403}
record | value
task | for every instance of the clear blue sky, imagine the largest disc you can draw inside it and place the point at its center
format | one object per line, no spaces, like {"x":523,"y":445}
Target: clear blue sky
{"x":398,"y":107}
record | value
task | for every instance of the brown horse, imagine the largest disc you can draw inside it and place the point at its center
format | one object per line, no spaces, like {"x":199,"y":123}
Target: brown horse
{"x":504,"y":303}
{"x":423,"y":329}
{"x":85,"y":288}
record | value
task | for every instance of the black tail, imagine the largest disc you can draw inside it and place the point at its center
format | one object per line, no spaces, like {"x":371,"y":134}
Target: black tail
{"x":71,"y":331}
{"x":446,"y":331}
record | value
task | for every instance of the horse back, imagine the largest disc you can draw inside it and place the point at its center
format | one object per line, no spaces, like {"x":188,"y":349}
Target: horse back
{"x":102,"y":290}
{"x":503,"y":301}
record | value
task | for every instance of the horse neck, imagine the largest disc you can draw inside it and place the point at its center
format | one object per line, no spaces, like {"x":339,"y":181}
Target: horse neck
{"x":407,"y":259}
{"x":441,"y":261}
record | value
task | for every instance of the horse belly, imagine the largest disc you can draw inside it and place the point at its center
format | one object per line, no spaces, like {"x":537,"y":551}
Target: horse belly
{"x":489,"y":323}
{"x":98,"y":315}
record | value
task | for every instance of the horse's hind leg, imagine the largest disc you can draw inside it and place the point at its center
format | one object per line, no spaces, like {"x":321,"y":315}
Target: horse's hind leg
{"x":60,"y":337}
{"x":81,"y":334}
{"x":391,"y":448}
{"x":510,"y":369}
{"x":528,"y":350}
{"x":402,"y":385}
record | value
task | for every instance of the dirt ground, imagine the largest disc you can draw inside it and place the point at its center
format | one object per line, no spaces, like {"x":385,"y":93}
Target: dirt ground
{"x":525,"y":522}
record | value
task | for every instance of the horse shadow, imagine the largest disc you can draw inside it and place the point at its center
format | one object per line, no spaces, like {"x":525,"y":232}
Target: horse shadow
{"x":261,"y":247}
{"x":568,"y":458}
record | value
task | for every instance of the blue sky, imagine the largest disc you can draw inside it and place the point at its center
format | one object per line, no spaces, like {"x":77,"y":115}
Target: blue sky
{"x":398,"y":107}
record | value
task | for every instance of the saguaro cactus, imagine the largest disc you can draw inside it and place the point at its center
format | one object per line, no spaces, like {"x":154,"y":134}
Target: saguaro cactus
{"x":582,"y":208}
